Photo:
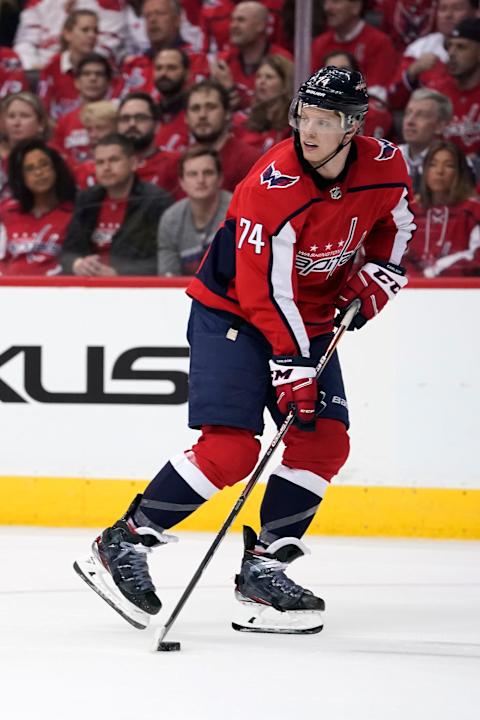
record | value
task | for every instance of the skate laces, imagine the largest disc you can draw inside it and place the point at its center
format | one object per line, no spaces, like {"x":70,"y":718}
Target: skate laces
{"x":137,"y":565}
{"x":275,"y":571}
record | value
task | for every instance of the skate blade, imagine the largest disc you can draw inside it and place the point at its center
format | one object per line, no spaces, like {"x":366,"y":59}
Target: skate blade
{"x":259,"y":618}
{"x":93,"y":573}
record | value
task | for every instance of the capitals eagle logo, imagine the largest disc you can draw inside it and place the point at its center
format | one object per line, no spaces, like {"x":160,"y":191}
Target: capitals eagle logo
{"x":273,"y":178}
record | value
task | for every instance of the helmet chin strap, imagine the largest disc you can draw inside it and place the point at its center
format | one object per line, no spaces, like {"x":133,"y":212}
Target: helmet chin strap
{"x":339,"y":148}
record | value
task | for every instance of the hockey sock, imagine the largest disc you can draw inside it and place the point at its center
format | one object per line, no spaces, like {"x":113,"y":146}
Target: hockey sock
{"x":174,"y":493}
{"x":291,"y":499}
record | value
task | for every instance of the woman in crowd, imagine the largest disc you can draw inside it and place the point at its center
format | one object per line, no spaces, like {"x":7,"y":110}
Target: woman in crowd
{"x":99,"y":119}
{"x":23,"y":118}
{"x":33,"y":224}
{"x":447,"y":215}
{"x":266,"y":122}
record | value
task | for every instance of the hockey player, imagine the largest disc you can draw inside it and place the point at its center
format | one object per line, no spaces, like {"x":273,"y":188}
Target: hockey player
{"x":264,"y":301}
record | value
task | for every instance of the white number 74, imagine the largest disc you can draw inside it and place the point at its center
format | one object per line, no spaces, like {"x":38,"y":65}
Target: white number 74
{"x":255,"y":236}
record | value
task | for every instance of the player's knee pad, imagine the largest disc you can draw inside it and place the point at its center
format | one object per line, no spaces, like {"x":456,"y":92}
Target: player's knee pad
{"x":226,"y":455}
{"x":322,"y":452}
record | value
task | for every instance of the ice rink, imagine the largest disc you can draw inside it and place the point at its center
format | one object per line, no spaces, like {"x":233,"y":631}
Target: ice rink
{"x":401,"y":636}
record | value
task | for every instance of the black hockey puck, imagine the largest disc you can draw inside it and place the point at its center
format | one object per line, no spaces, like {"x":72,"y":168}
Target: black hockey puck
{"x":168,"y":646}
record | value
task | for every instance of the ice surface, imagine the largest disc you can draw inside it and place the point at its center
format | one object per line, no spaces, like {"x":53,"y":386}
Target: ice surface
{"x":401,"y":638}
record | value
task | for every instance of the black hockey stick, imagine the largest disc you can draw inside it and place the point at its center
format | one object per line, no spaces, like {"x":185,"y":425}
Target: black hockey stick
{"x":164,"y":629}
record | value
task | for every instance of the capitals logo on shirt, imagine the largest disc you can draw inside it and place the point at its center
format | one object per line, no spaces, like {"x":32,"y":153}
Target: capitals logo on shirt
{"x":387,"y":149}
{"x":273,"y":178}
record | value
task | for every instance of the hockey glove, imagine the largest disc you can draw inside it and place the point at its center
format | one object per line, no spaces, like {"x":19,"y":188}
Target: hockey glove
{"x":374,"y":285}
{"x":294,"y":379}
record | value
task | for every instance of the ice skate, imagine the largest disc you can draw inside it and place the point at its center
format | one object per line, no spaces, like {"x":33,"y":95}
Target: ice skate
{"x":272,"y":603}
{"x":118,"y":570}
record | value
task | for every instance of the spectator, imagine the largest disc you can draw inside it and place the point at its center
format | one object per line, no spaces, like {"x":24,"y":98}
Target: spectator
{"x":170,"y":77}
{"x":208,"y":118}
{"x":114,"y":226}
{"x":190,"y":31}
{"x":424,"y":59}
{"x":188,"y":227}
{"x":266,"y":123}
{"x":12,"y":76}
{"x":93,"y":76}
{"x":38,"y":35}
{"x":162,"y":25}
{"x":407,"y":20}
{"x":24,"y":118}
{"x":57,"y":79}
{"x":235,"y":69}
{"x":33,"y":225}
{"x":426,"y":116}
{"x":216,"y":17}
{"x":137,"y":121}
{"x":461,"y":83}
{"x":447,"y":240}
{"x":378,"y":122}
{"x":348,"y":31}
{"x":99,"y":119}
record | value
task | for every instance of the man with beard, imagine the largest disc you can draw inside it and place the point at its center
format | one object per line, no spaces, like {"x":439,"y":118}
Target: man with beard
{"x":170,"y":77}
{"x":137,"y":121}
{"x":208,"y":119}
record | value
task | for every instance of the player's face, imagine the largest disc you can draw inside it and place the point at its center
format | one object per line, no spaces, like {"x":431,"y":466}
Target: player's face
{"x":137,"y":122}
{"x":113,"y":167}
{"x":82,"y":37}
{"x":161,"y":22}
{"x":38,"y":172}
{"x":247,"y":24}
{"x":268,"y":84}
{"x":206,"y":117}
{"x":450,"y":13}
{"x":96,"y":129}
{"x":341,"y":12}
{"x":320,"y":133}
{"x":421,"y":122}
{"x":463,"y":56}
{"x":441,"y":173}
{"x":21,"y":122}
{"x":169,"y":75}
{"x":201,"y":179}
{"x":92,"y":82}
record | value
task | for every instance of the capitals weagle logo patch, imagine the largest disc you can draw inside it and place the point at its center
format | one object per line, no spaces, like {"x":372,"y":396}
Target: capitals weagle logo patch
{"x":273,"y":178}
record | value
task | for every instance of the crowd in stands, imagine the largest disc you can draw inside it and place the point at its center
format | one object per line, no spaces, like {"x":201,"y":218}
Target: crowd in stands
{"x":125,"y":125}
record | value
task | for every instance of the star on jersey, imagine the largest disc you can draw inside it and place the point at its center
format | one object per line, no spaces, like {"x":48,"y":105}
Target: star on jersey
{"x":273,"y":178}
{"x":313,"y":248}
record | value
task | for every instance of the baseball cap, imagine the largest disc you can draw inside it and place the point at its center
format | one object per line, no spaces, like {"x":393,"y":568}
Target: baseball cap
{"x":469,"y":28}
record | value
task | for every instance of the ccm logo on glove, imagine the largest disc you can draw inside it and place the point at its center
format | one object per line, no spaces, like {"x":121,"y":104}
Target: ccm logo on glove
{"x":374,"y":285}
{"x":294,"y":379}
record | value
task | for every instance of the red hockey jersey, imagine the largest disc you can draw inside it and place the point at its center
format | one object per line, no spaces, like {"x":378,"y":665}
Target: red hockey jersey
{"x":289,"y":240}
{"x":31,"y":245}
{"x":12,"y":76}
{"x":447,"y":240}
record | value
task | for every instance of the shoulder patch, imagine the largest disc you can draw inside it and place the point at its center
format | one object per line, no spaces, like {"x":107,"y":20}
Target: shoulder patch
{"x":273,"y":178}
{"x":387,"y":149}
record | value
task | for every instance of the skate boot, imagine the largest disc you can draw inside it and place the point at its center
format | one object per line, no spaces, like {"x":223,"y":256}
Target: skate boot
{"x":272,"y":602}
{"x":118,"y":569}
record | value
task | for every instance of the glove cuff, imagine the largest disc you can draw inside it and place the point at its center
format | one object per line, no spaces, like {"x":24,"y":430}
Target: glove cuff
{"x":286,"y":369}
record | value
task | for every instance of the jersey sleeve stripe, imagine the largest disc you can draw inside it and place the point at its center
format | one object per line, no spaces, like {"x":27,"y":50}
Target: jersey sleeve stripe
{"x":283,"y":260}
{"x":403,"y":219}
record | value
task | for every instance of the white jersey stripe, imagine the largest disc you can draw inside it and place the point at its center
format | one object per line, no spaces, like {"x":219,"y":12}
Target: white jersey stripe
{"x":283,"y":251}
{"x":403,"y":219}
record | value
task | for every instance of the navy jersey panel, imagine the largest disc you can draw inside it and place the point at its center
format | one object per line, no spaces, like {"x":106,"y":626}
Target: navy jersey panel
{"x":229,"y":382}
